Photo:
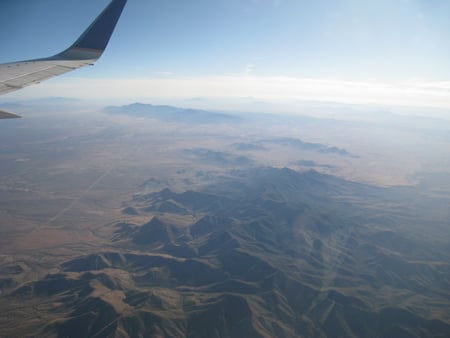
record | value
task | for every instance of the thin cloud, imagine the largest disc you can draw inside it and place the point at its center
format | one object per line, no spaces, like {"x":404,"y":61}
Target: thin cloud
{"x":413,"y":93}
{"x":165,"y":73}
{"x":249,"y":68}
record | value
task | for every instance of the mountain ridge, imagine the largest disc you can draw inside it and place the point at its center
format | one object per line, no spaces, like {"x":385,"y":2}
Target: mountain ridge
{"x":264,"y":253}
{"x":171,"y":114}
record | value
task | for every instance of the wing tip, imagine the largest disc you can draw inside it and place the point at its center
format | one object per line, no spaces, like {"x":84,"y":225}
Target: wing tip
{"x":97,"y":35}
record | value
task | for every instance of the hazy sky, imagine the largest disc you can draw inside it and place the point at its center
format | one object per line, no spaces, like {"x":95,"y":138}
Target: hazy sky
{"x":380,"y":51}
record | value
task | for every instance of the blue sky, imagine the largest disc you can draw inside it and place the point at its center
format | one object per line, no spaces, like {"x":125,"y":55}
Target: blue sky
{"x":342,"y":43}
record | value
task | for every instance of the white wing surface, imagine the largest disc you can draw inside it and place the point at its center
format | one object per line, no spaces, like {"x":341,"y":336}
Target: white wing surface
{"x":85,"y":51}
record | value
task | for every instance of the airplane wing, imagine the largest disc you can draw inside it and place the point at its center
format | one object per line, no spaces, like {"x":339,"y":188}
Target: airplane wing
{"x":85,"y":51}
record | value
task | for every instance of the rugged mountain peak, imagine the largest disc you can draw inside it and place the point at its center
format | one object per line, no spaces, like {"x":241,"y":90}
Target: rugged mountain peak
{"x":153,"y":232}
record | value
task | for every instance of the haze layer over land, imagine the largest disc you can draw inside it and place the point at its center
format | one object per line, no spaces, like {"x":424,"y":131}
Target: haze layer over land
{"x":148,"y":220}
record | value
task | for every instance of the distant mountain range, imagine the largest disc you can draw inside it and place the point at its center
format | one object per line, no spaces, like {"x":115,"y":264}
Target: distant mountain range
{"x":262,"y":145}
{"x":198,"y":116}
{"x":220,"y":158}
{"x":172,"y":114}
{"x":299,"y":144}
{"x":263,"y":252}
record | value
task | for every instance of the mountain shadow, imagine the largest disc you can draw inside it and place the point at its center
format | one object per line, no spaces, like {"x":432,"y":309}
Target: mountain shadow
{"x":267,"y":253}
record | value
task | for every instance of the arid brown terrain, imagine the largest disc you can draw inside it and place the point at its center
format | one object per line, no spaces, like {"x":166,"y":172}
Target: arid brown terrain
{"x":147,"y":221}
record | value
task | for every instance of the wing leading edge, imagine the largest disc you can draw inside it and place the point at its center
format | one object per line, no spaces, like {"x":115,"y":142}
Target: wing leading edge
{"x":85,"y":51}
